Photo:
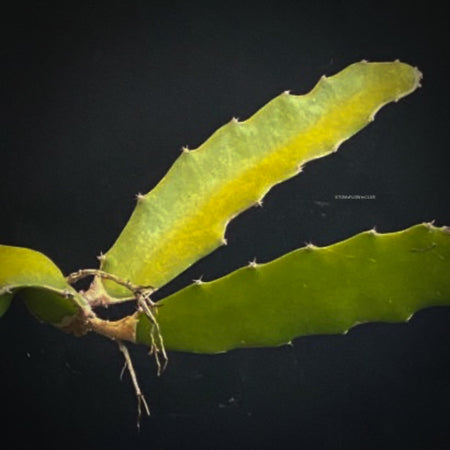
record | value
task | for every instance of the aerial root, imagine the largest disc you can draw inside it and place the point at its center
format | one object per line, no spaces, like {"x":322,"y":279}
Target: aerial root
{"x":84,"y":273}
{"x":142,"y":296}
{"x":157,"y":348}
{"x":145,"y":305}
{"x":139,"y":395}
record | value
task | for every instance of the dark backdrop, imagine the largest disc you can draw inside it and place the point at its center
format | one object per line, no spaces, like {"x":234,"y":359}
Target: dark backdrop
{"x":96,"y":103}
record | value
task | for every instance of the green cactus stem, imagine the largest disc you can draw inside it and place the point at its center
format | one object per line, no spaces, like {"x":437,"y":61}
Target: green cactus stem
{"x":185,"y":216}
{"x":42,"y":286}
{"x":369,"y":277}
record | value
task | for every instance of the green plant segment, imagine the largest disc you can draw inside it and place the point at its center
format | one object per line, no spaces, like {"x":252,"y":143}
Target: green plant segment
{"x":42,"y":285}
{"x":369,"y":277}
{"x":184,"y":217}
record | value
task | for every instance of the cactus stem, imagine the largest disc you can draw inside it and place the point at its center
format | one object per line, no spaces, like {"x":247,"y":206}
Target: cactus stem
{"x":244,"y":163}
{"x":296,"y":281}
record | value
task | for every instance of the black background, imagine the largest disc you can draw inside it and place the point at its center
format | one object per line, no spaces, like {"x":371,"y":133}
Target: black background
{"x":96,"y":103}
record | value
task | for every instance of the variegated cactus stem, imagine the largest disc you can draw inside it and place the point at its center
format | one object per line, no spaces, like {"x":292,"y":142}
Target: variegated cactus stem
{"x":185,"y":216}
